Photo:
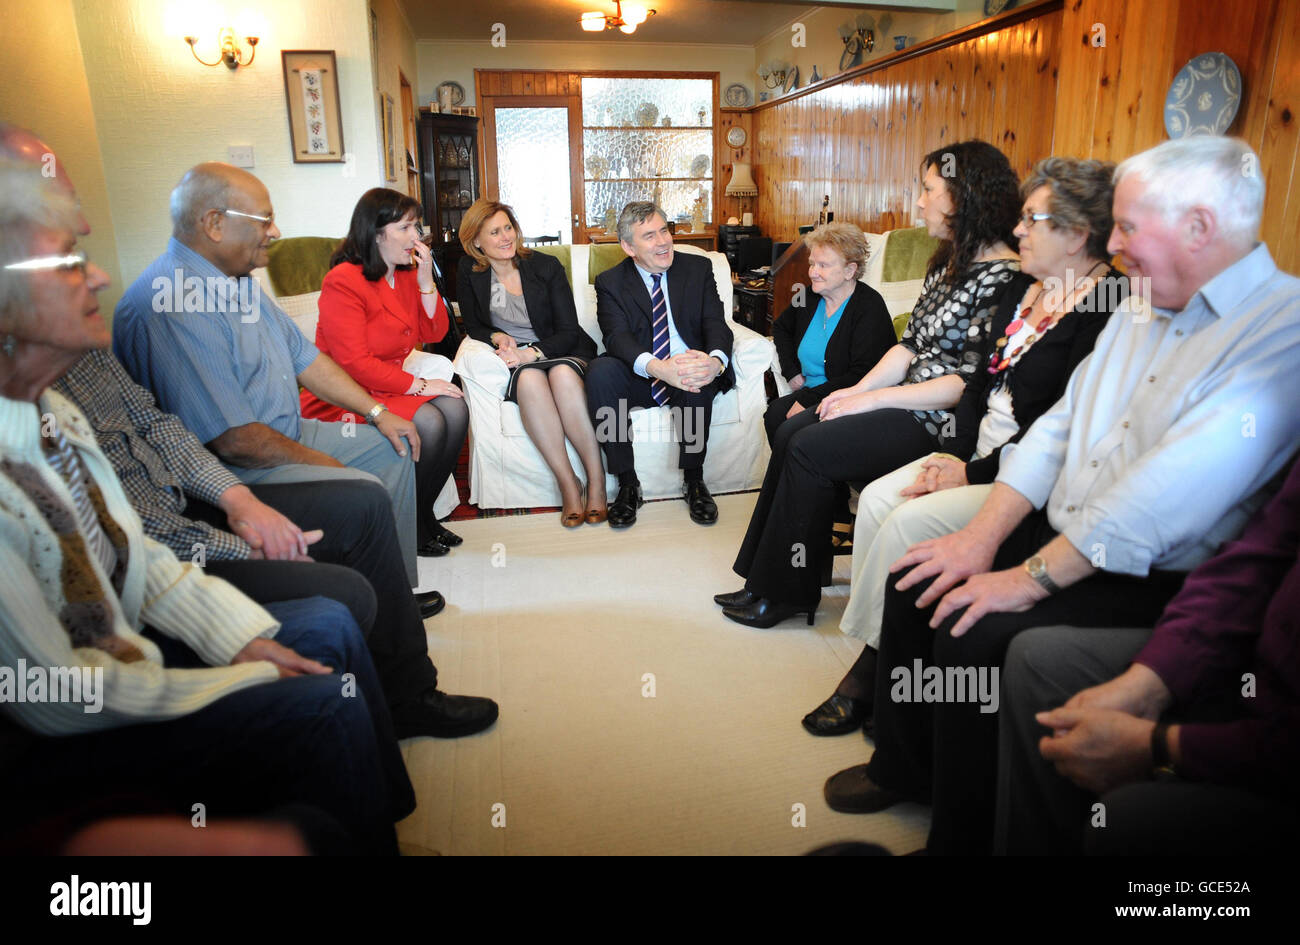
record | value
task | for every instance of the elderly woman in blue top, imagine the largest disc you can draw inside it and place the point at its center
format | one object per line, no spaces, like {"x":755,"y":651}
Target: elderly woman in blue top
{"x":829,"y":340}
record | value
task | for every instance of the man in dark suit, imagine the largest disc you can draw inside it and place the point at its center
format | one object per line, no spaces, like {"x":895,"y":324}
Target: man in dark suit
{"x":667,"y":343}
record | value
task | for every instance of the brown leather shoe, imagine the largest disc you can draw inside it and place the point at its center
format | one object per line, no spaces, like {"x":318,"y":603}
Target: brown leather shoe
{"x":853,"y":792}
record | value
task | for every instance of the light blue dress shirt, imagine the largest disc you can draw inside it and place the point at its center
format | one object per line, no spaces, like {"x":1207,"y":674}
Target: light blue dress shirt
{"x":675,"y":344}
{"x":1171,"y":428}
{"x":214,"y":350}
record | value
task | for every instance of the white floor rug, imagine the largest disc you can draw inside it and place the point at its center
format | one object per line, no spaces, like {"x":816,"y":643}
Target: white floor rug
{"x":635,"y":719}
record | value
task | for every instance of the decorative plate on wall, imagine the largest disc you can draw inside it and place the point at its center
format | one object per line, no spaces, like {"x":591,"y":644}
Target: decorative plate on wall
{"x":736,"y":96}
{"x":1204,"y":98}
{"x":647,"y":114}
{"x":792,"y":79}
{"x":736,"y":137}
{"x":457,"y":92}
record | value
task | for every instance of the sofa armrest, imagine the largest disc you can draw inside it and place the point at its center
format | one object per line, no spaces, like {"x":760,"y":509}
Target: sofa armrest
{"x":751,"y":353}
{"x":478,"y":363}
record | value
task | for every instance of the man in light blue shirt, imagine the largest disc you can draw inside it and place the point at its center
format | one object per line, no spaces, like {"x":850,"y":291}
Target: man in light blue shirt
{"x":1162,"y":446}
{"x":195,"y":330}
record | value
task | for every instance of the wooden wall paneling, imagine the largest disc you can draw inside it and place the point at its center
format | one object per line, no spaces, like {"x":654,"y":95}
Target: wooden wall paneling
{"x":1075,"y":106}
{"x":729,"y":157}
{"x":864,"y":138}
{"x":1279,"y":142}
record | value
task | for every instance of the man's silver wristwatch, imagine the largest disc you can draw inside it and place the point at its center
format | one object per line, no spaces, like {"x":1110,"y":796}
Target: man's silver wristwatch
{"x":374,"y":413}
{"x":1037,"y":569}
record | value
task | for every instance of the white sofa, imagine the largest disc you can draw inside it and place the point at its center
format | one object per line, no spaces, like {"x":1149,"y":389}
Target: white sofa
{"x":506,"y":471}
{"x":304,"y":311}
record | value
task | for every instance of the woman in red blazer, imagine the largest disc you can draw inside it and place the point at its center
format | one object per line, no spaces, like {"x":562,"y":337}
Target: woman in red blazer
{"x":378,"y":302}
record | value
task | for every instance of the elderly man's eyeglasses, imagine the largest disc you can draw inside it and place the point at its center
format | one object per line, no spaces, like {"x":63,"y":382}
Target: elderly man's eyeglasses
{"x":1027,"y":220}
{"x":266,"y":221}
{"x":48,"y":263}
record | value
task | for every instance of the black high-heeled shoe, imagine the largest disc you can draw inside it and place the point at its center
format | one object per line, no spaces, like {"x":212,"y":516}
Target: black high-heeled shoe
{"x":764,"y":613}
{"x":741,"y":598}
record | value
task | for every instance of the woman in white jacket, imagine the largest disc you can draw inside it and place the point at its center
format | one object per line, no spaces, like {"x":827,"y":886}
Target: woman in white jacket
{"x":81,"y":581}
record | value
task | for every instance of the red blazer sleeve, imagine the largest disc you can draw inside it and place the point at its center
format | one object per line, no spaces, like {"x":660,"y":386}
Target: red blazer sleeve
{"x":431,"y":328}
{"x":347,"y":306}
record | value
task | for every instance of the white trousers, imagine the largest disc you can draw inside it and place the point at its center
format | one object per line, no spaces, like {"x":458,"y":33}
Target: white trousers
{"x":886,"y":526}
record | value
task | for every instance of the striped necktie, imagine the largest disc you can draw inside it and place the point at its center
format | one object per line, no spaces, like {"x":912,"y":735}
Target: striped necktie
{"x":658,"y":389}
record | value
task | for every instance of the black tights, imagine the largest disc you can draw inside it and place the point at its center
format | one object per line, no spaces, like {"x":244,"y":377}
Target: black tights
{"x":441,"y":424}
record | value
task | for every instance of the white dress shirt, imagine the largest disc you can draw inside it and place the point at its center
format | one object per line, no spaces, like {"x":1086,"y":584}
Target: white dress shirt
{"x":1171,"y":428}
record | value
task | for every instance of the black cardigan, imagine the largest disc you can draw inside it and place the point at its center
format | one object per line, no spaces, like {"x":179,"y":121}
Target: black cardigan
{"x":1039,"y":378}
{"x":864,"y":333}
{"x":547,"y":296}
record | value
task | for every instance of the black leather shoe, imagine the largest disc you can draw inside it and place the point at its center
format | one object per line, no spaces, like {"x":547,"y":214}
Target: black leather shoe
{"x":838,"y":715}
{"x":853,"y":792}
{"x":622,"y":512}
{"x":444,"y":716}
{"x":741,"y":598}
{"x":704,"y":511}
{"x":433,"y":548}
{"x":431,"y":603}
{"x":764,"y":613}
{"x":448,"y":538}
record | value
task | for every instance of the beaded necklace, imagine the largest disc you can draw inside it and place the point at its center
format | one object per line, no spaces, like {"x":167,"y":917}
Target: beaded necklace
{"x":1000,"y":360}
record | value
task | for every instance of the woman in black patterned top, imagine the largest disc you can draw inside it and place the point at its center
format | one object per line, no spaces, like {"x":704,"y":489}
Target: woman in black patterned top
{"x":900,"y":410}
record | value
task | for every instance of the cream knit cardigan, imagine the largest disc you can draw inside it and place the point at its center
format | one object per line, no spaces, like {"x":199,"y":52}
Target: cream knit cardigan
{"x":178,"y":599}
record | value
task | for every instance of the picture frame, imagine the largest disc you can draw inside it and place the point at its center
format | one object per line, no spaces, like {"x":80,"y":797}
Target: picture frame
{"x":311,"y":94}
{"x":386,"y":108}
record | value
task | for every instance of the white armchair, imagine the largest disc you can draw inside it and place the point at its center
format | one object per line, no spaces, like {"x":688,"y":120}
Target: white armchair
{"x":305,"y":312}
{"x":505,"y":469}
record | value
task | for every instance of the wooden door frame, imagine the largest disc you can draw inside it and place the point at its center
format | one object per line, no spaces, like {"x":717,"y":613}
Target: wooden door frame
{"x":490,"y":103}
{"x":409,"y":134}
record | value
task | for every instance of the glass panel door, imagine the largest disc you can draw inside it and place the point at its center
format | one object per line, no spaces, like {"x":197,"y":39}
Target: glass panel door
{"x":533,"y":170}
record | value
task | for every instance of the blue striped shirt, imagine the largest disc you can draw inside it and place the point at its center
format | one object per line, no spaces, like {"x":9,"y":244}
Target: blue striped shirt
{"x":214,"y":350}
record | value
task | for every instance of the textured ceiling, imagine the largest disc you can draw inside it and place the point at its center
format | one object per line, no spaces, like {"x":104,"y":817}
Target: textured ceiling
{"x":739,"y":22}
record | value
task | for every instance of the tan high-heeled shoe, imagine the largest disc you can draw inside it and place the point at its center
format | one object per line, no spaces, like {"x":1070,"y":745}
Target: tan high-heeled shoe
{"x":574,"y":519}
{"x":596,"y":516}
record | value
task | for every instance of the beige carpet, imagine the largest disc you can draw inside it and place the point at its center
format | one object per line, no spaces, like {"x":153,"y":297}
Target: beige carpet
{"x":568,"y":630}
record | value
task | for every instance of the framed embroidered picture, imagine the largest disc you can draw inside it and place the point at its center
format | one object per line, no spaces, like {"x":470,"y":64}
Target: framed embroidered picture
{"x":311,"y":91}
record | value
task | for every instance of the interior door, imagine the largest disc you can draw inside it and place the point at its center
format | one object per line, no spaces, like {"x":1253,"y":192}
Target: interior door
{"x":533,"y":162}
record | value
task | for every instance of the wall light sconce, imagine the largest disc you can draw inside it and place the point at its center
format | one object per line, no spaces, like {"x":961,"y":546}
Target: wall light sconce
{"x":626,"y":18}
{"x":773,"y":73}
{"x":858,"y":38}
{"x":230,"y":52}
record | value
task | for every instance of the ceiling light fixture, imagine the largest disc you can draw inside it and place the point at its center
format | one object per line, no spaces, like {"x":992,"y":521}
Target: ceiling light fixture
{"x":627,"y":17}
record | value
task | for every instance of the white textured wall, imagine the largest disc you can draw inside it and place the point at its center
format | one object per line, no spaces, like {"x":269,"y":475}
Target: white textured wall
{"x":45,"y":90}
{"x":457,"y":60}
{"x":396,"y":58}
{"x":159,"y":112}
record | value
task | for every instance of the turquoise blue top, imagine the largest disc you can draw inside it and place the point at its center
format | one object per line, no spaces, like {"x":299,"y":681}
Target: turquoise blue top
{"x":812,"y":346}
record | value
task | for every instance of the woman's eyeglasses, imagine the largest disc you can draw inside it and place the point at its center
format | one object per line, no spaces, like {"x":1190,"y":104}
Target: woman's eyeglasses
{"x":1027,"y":220}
